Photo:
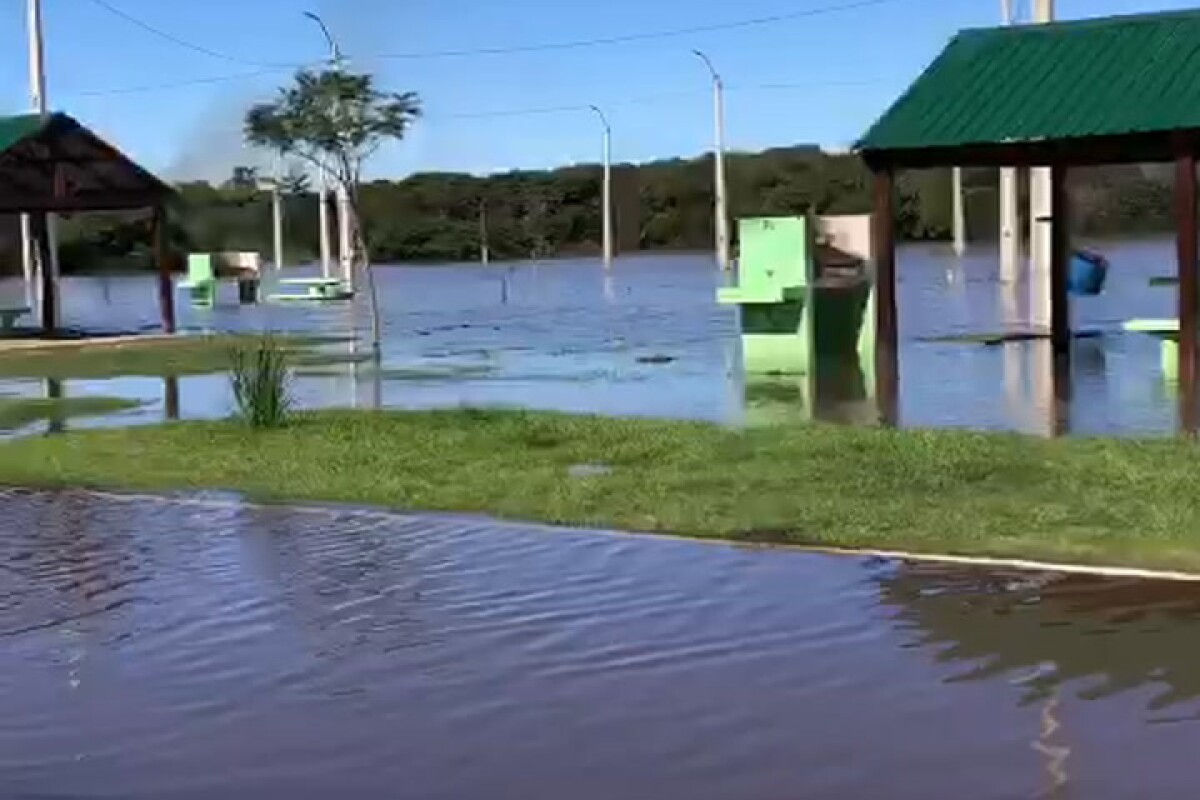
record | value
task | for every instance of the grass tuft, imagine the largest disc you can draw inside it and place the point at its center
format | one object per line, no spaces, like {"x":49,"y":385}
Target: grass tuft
{"x":259,"y":376}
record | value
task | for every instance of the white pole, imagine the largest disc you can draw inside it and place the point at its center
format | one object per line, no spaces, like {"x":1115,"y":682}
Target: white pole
{"x":1009,"y":212}
{"x":1040,"y":213}
{"x":277,"y":215}
{"x":37,"y":90}
{"x":33,"y":294}
{"x":720,"y":208}
{"x":345,"y":246}
{"x":323,"y":221}
{"x":485,"y":253}
{"x":606,"y":200}
{"x":960,"y":214}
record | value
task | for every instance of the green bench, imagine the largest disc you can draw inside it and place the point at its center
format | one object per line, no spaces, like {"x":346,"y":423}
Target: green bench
{"x":9,"y":317}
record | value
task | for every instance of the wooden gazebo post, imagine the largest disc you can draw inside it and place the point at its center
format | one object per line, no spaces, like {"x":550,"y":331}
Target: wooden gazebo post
{"x":1189,"y":284}
{"x":1060,"y":303}
{"x":883,"y":235}
{"x":166,"y":291}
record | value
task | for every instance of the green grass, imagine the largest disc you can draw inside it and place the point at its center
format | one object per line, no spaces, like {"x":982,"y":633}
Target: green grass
{"x":185,"y":355}
{"x":17,"y":412}
{"x":1081,"y":500}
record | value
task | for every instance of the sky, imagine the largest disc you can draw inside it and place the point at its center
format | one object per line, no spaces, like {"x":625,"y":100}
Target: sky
{"x":797,"y":71}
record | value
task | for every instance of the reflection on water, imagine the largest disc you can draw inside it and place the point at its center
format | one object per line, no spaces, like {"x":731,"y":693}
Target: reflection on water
{"x":649,"y":339}
{"x":196,"y":650}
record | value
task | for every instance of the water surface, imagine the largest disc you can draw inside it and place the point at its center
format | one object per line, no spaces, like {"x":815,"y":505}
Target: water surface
{"x":158,"y":649}
{"x":651,"y":340}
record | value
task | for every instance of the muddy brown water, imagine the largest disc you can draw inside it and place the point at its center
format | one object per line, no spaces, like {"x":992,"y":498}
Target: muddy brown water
{"x":171,"y":649}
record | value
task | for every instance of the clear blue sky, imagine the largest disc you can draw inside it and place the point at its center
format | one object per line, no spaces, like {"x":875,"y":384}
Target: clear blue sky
{"x":843,"y":69}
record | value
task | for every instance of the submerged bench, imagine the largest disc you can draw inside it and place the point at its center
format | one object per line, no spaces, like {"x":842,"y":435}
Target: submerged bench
{"x":316,"y":289}
{"x":9,"y":316}
{"x":1167,"y":331}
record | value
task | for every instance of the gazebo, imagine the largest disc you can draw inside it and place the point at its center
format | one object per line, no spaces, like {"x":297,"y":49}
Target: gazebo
{"x":1101,"y":91}
{"x":51,"y":164}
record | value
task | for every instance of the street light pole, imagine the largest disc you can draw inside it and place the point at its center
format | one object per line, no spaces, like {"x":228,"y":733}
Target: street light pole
{"x":345,"y":249}
{"x":607,"y":191}
{"x":37,"y":91}
{"x":720,"y":211}
{"x":277,"y":213}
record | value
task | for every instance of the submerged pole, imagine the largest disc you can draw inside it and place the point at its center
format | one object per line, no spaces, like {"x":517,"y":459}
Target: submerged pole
{"x":1041,"y":220}
{"x":43,"y":257}
{"x":323,"y":221}
{"x":1010,"y":248}
{"x":277,"y":215}
{"x":606,"y":201}
{"x":720,"y":209}
{"x":485,"y":253}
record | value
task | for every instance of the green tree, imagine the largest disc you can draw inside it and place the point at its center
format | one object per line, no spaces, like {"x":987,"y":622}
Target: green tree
{"x":336,"y":121}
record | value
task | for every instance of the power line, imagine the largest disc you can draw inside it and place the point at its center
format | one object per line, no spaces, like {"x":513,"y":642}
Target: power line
{"x":170,"y":37}
{"x":850,"y":5}
{"x":158,"y":87}
{"x":639,"y":37}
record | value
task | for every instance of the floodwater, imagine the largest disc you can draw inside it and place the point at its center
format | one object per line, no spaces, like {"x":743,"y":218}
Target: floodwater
{"x":651,"y":340}
{"x":199,"y":648}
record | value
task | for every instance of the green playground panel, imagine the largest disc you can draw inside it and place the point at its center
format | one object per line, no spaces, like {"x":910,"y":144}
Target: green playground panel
{"x":786,"y":319}
{"x":1167,"y":331}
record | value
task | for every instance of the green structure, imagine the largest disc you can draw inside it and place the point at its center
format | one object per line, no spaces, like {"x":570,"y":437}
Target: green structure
{"x":201,"y":284}
{"x":206,"y":270}
{"x":800,"y":302}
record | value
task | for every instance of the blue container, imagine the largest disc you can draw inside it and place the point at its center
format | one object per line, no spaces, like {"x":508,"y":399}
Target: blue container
{"x":1087,"y":275}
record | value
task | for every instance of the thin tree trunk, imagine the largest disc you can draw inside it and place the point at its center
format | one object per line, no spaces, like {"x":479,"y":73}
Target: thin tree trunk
{"x":363,"y":259}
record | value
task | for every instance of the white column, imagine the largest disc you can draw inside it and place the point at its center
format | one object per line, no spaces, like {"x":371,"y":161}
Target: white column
{"x":37,"y":90}
{"x":277,"y":216}
{"x":606,"y":192}
{"x":323,"y":221}
{"x":720,"y":206}
{"x":721,"y":221}
{"x":1010,"y":215}
{"x":1040,"y":214}
{"x":345,"y":245}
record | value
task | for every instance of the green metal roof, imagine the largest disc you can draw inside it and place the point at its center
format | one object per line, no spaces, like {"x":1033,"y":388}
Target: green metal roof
{"x":1033,"y":83}
{"x":14,"y":129}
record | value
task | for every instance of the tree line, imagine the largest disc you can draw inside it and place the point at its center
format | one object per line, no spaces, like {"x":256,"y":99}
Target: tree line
{"x":659,"y":206}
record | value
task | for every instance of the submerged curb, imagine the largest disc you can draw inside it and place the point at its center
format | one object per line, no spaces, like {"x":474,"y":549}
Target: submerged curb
{"x":895,"y":555}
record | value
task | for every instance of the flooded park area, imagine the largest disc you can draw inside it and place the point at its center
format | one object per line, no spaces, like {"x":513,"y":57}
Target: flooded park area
{"x":650,"y":339}
{"x":197,"y":645}
{"x":194,"y":646}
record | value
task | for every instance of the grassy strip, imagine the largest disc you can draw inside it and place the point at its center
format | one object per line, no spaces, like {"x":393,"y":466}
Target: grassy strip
{"x":17,"y":412}
{"x":185,"y":355}
{"x":1128,"y":503}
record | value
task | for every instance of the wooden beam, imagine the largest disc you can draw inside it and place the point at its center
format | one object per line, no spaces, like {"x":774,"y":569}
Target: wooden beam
{"x":1060,"y":262}
{"x":1189,"y":283}
{"x":883,"y":246}
{"x":171,"y":398}
{"x":15,"y":203}
{"x":166,"y":290}
{"x":1079,"y":152}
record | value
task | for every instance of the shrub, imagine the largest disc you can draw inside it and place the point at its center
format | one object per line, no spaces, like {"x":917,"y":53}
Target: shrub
{"x":261,"y":381}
